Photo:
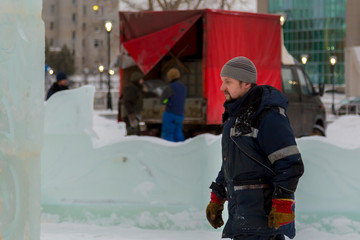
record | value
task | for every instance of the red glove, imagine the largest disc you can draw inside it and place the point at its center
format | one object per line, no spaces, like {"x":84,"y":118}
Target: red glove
{"x":281,"y":212}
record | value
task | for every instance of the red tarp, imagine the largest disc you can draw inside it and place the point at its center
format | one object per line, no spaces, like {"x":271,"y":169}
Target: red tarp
{"x":148,"y":50}
{"x":232,"y":34}
{"x":138,"y":24}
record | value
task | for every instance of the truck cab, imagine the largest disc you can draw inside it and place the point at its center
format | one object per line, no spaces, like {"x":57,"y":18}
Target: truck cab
{"x":306,"y":111}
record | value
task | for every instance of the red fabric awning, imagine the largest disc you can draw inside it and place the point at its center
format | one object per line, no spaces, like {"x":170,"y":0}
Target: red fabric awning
{"x":148,"y":50}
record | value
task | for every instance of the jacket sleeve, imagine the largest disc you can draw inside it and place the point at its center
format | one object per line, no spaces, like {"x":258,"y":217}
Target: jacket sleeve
{"x":218,"y":187}
{"x":166,"y":94}
{"x":277,"y":141}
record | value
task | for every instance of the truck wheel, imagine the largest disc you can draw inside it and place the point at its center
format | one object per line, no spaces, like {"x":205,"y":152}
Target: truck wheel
{"x":318,"y":131}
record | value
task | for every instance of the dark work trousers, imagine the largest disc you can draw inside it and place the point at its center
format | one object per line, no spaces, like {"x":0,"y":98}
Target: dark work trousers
{"x":250,"y":237}
{"x":131,"y":130}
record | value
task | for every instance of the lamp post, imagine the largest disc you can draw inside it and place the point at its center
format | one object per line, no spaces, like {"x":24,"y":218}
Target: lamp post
{"x":108,"y":27}
{"x":333,"y":60}
{"x":101,"y":70}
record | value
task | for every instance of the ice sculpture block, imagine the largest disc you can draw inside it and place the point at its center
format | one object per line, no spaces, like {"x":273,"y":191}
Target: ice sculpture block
{"x":21,"y":117}
{"x":129,"y":180}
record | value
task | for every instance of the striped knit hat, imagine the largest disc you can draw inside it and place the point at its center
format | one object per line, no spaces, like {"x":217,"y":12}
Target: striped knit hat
{"x":240,"y":68}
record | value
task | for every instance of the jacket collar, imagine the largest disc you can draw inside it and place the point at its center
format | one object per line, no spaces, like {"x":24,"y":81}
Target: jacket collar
{"x":234,"y":106}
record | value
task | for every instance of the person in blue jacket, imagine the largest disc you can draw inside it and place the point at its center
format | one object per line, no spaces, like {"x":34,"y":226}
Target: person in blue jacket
{"x":174,"y":97}
{"x":261,"y":163}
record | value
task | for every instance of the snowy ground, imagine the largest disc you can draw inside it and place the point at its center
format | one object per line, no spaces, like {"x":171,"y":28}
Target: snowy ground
{"x":327,"y":196}
{"x":346,"y":230}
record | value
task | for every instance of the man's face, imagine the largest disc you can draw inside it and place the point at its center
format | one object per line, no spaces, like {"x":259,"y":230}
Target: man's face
{"x":233,"y":89}
{"x":62,"y":82}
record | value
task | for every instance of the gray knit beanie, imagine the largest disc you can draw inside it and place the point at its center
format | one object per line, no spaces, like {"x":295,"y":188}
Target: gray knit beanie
{"x":240,"y":68}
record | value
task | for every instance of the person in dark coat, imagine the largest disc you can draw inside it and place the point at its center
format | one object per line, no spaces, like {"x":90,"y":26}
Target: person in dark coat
{"x":261,"y":164}
{"x":133,"y":103}
{"x":174,"y":97}
{"x":59,"y":85}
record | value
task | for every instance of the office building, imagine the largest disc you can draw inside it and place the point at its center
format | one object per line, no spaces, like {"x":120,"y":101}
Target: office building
{"x":315,"y":28}
{"x":80,"y":25}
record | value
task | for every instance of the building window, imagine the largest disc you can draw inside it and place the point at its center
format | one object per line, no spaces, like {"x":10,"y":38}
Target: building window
{"x":83,"y":42}
{"x":73,"y":35}
{"x":84,"y":10}
{"x":52,"y":24}
{"x":100,"y":12}
{"x":98,"y":43}
{"x":74,"y":2}
{"x":98,"y":29}
{"x":52,"y":9}
{"x":74,"y":17}
{"x":84,"y":27}
{"x":51,"y":43}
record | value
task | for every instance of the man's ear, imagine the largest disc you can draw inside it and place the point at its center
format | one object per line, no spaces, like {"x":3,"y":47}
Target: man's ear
{"x":247,"y":85}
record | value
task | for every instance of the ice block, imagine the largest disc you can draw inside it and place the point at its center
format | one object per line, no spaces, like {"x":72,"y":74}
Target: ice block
{"x":21,"y":117}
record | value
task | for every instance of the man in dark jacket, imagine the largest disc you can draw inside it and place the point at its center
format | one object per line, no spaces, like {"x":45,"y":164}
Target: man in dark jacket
{"x":174,"y":97}
{"x":133,"y":103}
{"x":261,"y":164}
{"x":59,"y":85}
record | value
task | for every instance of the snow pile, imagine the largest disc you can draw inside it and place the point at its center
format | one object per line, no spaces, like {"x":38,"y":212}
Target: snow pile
{"x":344,"y":132}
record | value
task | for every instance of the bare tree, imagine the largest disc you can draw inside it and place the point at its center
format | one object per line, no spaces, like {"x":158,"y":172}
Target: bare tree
{"x":144,"y":5}
{"x":131,"y":5}
{"x":161,"y":4}
{"x":151,"y":5}
{"x":222,"y":4}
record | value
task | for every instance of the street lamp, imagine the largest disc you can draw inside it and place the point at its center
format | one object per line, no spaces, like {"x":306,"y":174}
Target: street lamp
{"x":304,"y":58}
{"x":283,"y":17}
{"x":101,"y":70}
{"x":333,"y":60}
{"x":95,"y":8}
{"x":108,"y":27}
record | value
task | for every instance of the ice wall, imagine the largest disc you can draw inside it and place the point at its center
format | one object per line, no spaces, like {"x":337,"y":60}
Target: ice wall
{"x":143,"y":180}
{"x":151,"y":183}
{"x":21,"y":117}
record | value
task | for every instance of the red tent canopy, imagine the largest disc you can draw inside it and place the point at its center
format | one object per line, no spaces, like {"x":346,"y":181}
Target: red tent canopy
{"x":148,"y":50}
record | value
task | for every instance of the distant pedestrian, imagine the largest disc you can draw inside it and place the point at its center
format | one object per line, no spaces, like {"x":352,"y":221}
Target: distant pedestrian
{"x":133,"y":103}
{"x":59,"y":85}
{"x":174,"y":97}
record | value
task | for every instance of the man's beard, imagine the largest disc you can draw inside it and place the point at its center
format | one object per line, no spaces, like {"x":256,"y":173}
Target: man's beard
{"x":226,"y":93}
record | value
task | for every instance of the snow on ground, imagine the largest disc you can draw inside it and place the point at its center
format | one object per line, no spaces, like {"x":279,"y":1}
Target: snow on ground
{"x":92,"y":178}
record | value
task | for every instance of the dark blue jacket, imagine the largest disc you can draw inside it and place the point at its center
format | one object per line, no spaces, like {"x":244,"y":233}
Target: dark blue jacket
{"x":54,"y":89}
{"x":176,"y":96}
{"x":274,"y":160}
